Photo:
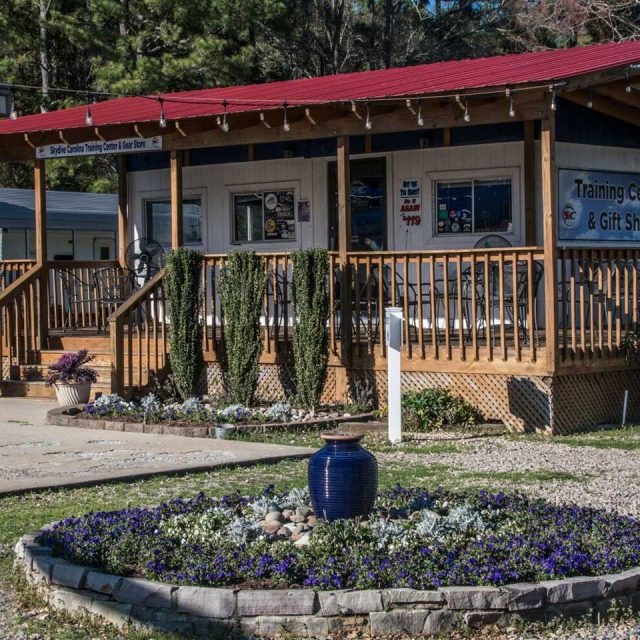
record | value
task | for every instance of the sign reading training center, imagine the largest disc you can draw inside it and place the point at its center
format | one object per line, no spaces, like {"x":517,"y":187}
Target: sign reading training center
{"x":99,"y":147}
{"x":598,"y":206}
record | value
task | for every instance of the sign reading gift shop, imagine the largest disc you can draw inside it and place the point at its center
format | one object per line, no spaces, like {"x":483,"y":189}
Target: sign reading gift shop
{"x":99,"y":147}
{"x":598,"y":206}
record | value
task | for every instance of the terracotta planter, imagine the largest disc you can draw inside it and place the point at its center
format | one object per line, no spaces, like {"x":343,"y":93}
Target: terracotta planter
{"x":72,"y":393}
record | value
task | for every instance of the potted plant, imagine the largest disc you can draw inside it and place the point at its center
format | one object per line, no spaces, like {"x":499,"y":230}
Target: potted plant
{"x":71,"y":378}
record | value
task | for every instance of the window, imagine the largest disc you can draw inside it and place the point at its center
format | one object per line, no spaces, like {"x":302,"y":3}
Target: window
{"x":158,"y":221}
{"x":264,"y":215}
{"x":474,"y":206}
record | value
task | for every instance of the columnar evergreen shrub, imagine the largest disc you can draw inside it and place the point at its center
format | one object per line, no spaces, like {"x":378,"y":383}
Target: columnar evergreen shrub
{"x":310,"y":328}
{"x":182,"y":284}
{"x":242,"y":284}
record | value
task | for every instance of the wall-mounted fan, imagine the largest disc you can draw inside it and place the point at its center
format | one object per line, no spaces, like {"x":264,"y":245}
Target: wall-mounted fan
{"x":144,"y":258}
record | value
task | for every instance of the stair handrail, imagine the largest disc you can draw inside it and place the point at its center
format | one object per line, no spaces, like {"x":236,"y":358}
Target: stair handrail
{"x":19,"y":284}
{"x":116,"y":331}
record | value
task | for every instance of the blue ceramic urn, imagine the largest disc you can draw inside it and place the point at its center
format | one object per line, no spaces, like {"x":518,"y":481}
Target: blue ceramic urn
{"x":343,"y":478}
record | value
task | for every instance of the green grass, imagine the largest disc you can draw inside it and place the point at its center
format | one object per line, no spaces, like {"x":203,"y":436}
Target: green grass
{"x":627,"y":439}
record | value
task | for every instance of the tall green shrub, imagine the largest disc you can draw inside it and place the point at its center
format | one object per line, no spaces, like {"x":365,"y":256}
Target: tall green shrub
{"x":310,"y":325}
{"x":182,"y":283}
{"x":242,"y":284}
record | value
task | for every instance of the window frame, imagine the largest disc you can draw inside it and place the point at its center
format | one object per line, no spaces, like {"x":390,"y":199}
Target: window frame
{"x":164,"y":199}
{"x":500,"y":171}
{"x":261,"y":190}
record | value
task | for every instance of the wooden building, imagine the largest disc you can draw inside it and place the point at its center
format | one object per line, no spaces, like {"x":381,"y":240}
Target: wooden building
{"x":496,"y":200}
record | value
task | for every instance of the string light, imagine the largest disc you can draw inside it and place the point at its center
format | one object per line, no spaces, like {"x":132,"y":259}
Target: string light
{"x":420,"y":118}
{"x":13,"y":113}
{"x":553,"y":104}
{"x":512,"y":107}
{"x":467,"y":116}
{"x":163,"y":121}
{"x":628,"y":85}
{"x":285,"y":124}
{"x":589,"y":101}
{"x":367,"y":123}
{"x":88,"y":117}
{"x":225,"y":119}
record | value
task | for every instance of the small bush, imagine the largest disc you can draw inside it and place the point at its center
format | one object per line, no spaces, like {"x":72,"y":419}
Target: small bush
{"x":432,"y":409}
{"x":182,"y":283}
{"x":242,"y":284}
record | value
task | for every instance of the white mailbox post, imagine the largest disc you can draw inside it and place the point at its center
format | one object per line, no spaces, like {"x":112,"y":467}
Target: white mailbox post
{"x":393,"y":320}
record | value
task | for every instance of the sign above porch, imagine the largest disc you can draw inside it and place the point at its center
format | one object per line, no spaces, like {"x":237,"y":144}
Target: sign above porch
{"x":598,"y":206}
{"x":99,"y":147}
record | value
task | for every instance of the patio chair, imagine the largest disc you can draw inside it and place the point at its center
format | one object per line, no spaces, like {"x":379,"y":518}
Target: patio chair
{"x":112,"y":287}
{"x":79,"y":300}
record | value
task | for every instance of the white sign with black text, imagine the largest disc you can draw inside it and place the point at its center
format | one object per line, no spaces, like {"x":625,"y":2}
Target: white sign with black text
{"x":99,"y":147}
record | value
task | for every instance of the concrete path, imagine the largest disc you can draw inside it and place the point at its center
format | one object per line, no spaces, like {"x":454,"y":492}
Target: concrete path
{"x":34,"y":455}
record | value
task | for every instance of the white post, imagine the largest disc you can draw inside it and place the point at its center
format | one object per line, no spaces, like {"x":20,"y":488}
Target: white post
{"x":394,"y":345}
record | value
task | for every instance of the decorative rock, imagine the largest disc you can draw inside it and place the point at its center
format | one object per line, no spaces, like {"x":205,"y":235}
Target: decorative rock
{"x":291,"y":526}
{"x":271,"y":526}
{"x":304,"y":511}
{"x":145,"y":592}
{"x":623,"y":582}
{"x":287,"y":513}
{"x":475,"y":598}
{"x":70,"y":600}
{"x":284,"y":532}
{"x":333,"y":603}
{"x":306,"y":626}
{"x":303,"y":540}
{"x":296,"y":518}
{"x":440,"y":622}
{"x":477,"y":619}
{"x":411,"y":596}
{"x":256,"y":602}
{"x":206,"y":602}
{"x":523,"y":596}
{"x":311,"y":520}
{"x":274,"y":515}
{"x":69,"y":575}
{"x":43,"y":568}
{"x":102,"y":582}
{"x":398,"y":621}
{"x":575,"y":589}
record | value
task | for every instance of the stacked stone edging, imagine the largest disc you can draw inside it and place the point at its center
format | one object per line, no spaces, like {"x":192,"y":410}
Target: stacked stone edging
{"x":59,"y":418}
{"x":215,"y":612}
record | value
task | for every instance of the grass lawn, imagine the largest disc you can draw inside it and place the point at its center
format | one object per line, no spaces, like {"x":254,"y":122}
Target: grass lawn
{"x":27,"y":512}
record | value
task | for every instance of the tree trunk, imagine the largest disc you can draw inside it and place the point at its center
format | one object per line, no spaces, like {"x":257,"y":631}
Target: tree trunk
{"x":43,"y":7}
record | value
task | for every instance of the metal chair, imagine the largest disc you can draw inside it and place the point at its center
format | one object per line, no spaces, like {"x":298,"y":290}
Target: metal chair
{"x":112,"y":288}
{"x":492,"y":241}
{"x":79,"y":300}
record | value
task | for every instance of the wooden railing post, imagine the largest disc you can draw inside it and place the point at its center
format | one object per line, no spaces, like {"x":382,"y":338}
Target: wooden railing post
{"x":40,"y":227}
{"x":548,"y":172}
{"x":123,"y":216}
{"x":116,"y":335}
{"x":344,"y":246}
{"x":176,"y":199}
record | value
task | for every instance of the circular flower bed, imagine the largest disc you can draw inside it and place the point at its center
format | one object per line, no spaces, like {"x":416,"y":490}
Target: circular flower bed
{"x":415,"y":538}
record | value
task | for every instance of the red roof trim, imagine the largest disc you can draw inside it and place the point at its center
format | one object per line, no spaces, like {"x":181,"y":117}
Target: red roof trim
{"x":437,"y":78}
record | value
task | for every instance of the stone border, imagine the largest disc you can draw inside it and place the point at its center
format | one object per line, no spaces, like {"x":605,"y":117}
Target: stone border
{"x":208,"y":612}
{"x":58,"y":417}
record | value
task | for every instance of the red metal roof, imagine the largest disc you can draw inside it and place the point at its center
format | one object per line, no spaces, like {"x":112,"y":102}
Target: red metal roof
{"x":441,"y":77}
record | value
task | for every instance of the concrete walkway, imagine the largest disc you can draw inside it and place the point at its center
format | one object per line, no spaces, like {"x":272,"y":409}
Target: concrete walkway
{"x":34,"y":455}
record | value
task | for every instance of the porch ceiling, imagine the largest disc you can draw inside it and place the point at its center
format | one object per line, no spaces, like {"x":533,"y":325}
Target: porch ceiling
{"x":320,"y":107}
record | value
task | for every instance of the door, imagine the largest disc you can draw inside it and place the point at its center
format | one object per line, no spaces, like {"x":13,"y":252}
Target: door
{"x":368,"y":205}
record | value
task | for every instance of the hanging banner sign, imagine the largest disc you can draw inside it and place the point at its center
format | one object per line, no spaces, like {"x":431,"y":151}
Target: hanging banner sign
{"x":99,"y":147}
{"x":598,"y":206}
{"x":411,"y":202}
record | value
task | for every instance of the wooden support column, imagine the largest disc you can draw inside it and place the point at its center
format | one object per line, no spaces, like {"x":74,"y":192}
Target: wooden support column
{"x":344,"y":246}
{"x":123,"y":213}
{"x":548,"y":172}
{"x":176,"y":199}
{"x":529,"y":183}
{"x":40,"y":227}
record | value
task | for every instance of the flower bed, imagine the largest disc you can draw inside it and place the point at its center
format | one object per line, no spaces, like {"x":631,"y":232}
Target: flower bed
{"x":415,"y":539}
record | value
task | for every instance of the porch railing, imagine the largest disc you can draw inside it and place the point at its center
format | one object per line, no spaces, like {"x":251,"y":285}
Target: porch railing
{"x":139,"y":338}
{"x":20,"y":322}
{"x":11,"y":270}
{"x":598,"y":297}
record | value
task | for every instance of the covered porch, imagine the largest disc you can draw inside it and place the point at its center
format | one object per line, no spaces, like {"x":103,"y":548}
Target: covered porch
{"x":531,"y":331}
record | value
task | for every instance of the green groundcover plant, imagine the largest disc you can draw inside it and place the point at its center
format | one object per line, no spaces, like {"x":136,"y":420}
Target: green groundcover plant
{"x":432,"y":409}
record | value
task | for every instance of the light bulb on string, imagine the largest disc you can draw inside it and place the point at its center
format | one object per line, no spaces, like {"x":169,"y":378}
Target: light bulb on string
{"x":553,"y":104}
{"x":163,"y":121}
{"x":88,"y":117}
{"x":285,"y":123}
{"x":467,"y":115}
{"x":512,"y":107}
{"x":589,"y":101}
{"x":420,"y":118}
{"x":367,"y":123}
{"x":225,"y":119}
{"x":13,"y":113}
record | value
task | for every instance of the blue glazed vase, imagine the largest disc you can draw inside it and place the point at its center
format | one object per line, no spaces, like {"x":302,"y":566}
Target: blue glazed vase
{"x":343,"y":478}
